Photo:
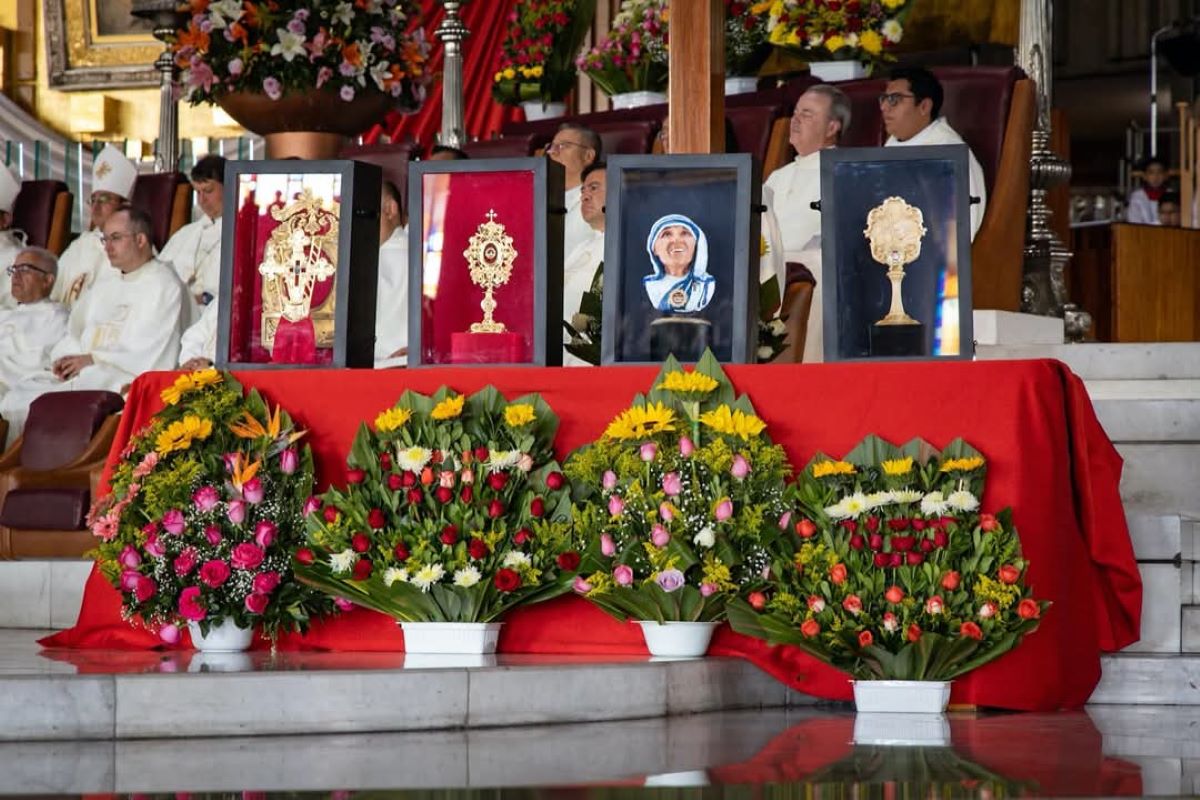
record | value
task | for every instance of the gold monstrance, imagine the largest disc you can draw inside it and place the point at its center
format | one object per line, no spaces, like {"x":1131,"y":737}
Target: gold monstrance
{"x":297,"y":256}
{"x":894,"y":229}
{"x":490,"y":258}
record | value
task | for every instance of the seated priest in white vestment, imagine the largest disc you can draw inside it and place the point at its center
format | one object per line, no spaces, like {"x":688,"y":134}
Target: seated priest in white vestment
{"x":130,"y":324}
{"x":12,"y":242}
{"x":36,"y":323}
{"x":581,"y":264}
{"x":574,"y":146}
{"x":198,"y":346}
{"x":391,"y":289}
{"x":195,"y":249}
{"x":911,"y":106}
{"x":820,"y":119}
{"x":85,"y":261}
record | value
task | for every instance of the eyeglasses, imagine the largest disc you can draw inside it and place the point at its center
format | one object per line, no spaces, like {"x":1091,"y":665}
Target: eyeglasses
{"x":114,"y":238}
{"x":555,"y":147}
{"x":24,"y":269}
{"x":104,"y":199}
{"x":893,"y":99}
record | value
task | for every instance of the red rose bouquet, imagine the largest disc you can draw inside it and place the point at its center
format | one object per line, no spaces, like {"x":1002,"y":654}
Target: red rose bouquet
{"x":825,"y":30}
{"x":537,"y":57}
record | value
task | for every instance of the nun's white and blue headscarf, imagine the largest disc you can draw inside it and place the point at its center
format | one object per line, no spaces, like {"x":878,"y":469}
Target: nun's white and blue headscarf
{"x":690,"y":292}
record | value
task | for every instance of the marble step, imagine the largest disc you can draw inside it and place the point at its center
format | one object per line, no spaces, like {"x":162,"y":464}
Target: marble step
{"x":1162,"y":537}
{"x":1148,"y":679}
{"x":1100,"y":361}
{"x":1145,"y":410}
{"x":1163,"y":477}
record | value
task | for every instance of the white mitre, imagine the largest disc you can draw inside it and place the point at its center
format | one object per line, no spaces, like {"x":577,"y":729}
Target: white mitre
{"x":114,"y":173}
{"x":9,"y":187}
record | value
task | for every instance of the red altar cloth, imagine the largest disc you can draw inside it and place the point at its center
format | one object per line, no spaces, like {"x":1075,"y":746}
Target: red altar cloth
{"x":1047,"y":455}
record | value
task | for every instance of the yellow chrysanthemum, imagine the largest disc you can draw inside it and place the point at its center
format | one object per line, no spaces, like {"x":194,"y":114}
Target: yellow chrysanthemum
{"x":538,"y":71}
{"x":871,"y":41}
{"x":518,"y":415}
{"x":835,"y":43}
{"x":510,"y":73}
{"x":822,"y":469}
{"x":724,"y":419}
{"x":499,"y":77}
{"x":641,"y":421}
{"x":897,"y":466}
{"x":962,"y":464}
{"x":180,"y":434}
{"x":449,"y":408}
{"x":392,"y":419}
{"x":688,"y":383}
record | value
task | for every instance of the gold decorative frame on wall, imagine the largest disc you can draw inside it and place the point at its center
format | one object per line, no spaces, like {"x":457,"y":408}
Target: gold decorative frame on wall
{"x":84,"y":51}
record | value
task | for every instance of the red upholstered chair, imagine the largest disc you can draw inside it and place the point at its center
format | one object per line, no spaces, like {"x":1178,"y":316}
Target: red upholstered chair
{"x":752,"y":128}
{"x":866,"y":123}
{"x":167,"y":198}
{"x":393,"y":158}
{"x":43,"y":210}
{"x":49,"y":475}
{"x":519,"y":145}
{"x":627,"y":137}
{"x":795,"y":311}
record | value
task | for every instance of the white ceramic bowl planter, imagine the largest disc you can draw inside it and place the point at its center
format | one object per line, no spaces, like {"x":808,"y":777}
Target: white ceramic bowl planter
{"x":470,"y":638}
{"x":677,"y":639}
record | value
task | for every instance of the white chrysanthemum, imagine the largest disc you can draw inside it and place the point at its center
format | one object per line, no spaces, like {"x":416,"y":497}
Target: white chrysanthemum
{"x":502,"y":459}
{"x":413,"y":459}
{"x":933,"y":504}
{"x":466,"y":577}
{"x":962,"y":500}
{"x":706,"y":538}
{"x":892,"y":31}
{"x":343,"y":561}
{"x":855,"y":504}
{"x":852,"y":39}
{"x":516,"y":559}
{"x":838,"y":510}
{"x":394,"y":575}
{"x":427,"y":576}
{"x":815,"y":40}
{"x":906,"y":496}
{"x":877,"y":499}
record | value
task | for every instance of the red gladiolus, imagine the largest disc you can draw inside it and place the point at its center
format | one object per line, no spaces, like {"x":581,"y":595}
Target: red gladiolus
{"x":896,"y":560}
{"x":360,"y":543}
{"x":498,"y":480}
{"x":477,"y":549}
{"x":330,"y":514}
{"x":376,"y":518}
{"x":919,"y":524}
{"x":926,"y":545}
{"x":837,"y":573}
{"x":810,"y":628}
{"x":450,"y":535}
{"x":876,"y":541}
{"x":1009,"y":574}
{"x":362,"y":570}
{"x":912,"y":633}
{"x":507,"y":580}
{"x":466,"y":494}
{"x":537,"y":507}
{"x":882,"y":560}
{"x":395,"y":482}
{"x":857,"y":542}
{"x":805,"y":529}
{"x":522,"y":536}
{"x":898,"y":525}
{"x":385,"y":461}
{"x":951,"y":580}
{"x":913,"y":559}
{"x":1028,"y":609}
{"x":970,"y":630}
{"x":865,"y":639}
{"x":400,"y":551}
{"x":555,"y":481}
{"x":568,"y":561}
{"x":902,"y":544}
{"x":305,"y":556}
{"x":443,"y":494}
{"x":894,"y":594}
{"x":414,"y":496}
{"x":988,"y":523}
{"x":495,"y":509}
{"x":757,"y":600}
{"x":355,"y":476}
{"x":941,"y":539}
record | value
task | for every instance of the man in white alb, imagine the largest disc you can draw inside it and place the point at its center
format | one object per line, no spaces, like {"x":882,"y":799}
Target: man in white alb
{"x":11,"y":241}
{"x":820,"y":119}
{"x":575,"y":147}
{"x":36,"y":323}
{"x":579,"y":268}
{"x":391,"y":289}
{"x":195,"y":249}
{"x":84,"y":261}
{"x":911,"y":106}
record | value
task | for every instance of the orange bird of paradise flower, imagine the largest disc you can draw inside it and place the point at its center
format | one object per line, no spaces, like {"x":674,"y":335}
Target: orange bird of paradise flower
{"x":243,"y":471}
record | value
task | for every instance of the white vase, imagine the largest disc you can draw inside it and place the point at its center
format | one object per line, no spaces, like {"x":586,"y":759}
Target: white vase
{"x":223,"y":636}
{"x":536,"y":109}
{"x":905,"y":697}
{"x":910,"y":730}
{"x":831,"y":71}
{"x":740,"y":84}
{"x":636,"y":99}
{"x":469,"y":638}
{"x":677,"y":639}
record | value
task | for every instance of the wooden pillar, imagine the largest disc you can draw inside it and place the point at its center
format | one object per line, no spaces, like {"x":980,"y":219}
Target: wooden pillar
{"x":697,"y":63}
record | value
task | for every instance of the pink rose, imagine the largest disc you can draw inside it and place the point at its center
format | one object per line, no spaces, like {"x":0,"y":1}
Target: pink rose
{"x":236,"y":511}
{"x":310,"y":505}
{"x":129,"y":578}
{"x":891,"y":622}
{"x":666,"y":512}
{"x":623,"y":575}
{"x":785,"y":520}
{"x":185,"y":562}
{"x":189,"y":604}
{"x":214,"y":573}
{"x":723,"y":509}
{"x":253,"y":491}
{"x":265,"y":582}
{"x":607,"y":547}
{"x":144,"y":588}
{"x":609,"y":480}
{"x":172,"y":522}
{"x":686,"y":448}
{"x":153,"y":546}
{"x":816,"y":604}
{"x":987,"y":610}
{"x":467,"y":476}
{"x":671,"y":484}
{"x":708,"y":589}
{"x":659,"y":536}
{"x":169,"y":633}
{"x":246,"y":556}
{"x":264,"y":533}
{"x":616,"y":506}
{"x":446,"y":479}
{"x":648,"y":451}
{"x":129,"y":557}
{"x":740,"y":468}
{"x":933,"y":605}
{"x":212,"y":534}
{"x":206,"y":498}
{"x":289,"y":461}
{"x":257,"y":603}
{"x":343,"y":604}
{"x":580,"y":586}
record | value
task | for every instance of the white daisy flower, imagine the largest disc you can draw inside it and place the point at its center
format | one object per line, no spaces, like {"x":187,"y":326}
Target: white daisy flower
{"x":905,"y":496}
{"x":343,"y":561}
{"x":413,"y":459}
{"x":516,"y":559}
{"x":706,"y":538}
{"x":933,"y":504}
{"x":466,"y":577}
{"x":962,"y":500}
{"x":393,"y":575}
{"x":427,"y":576}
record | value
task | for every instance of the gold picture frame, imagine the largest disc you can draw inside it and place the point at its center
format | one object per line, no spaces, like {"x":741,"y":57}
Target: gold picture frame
{"x":98,"y":44}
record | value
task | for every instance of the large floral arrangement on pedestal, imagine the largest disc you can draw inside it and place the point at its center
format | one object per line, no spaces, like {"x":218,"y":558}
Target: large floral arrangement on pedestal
{"x":205,"y":509}
{"x":633,"y":56}
{"x":678,"y":502}
{"x":537,"y":57}
{"x":829,"y":30}
{"x":274,"y":47}
{"x":892,"y":570}
{"x":746,"y":32}
{"x":454,"y":511}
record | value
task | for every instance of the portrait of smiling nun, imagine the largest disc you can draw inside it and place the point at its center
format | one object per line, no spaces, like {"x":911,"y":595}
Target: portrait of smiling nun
{"x":678,"y":252}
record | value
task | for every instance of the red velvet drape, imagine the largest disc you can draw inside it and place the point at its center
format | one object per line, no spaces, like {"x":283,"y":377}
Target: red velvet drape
{"x":482,"y":116}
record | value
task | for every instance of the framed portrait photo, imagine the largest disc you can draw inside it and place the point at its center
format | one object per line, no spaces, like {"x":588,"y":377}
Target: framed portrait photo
{"x":681,"y":258}
{"x":896,"y":253}
{"x":299,"y":263}
{"x":485,"y":253}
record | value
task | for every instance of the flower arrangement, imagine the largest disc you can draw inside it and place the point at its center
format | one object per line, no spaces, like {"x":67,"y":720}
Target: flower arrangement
{"x":746,"y":43}
{"x":205,"y":509}
{"x":537,"y":57}
{"x":454,"y":511}
{"x":893,"y":571}
{"x":273,"y":47}
{"x":679,"y":501}
{"x":832,"y":30}
{"x":633,"y":56}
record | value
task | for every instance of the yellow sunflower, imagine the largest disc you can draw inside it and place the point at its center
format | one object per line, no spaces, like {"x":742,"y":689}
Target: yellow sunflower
{"x":724,"y":419}
{"x":205,"y":377}
{"x":823,"y":468}
{"x":172,"y":394}
{"x":897,"y":466}
{"x":962,"y":464}
{"x":392,"y":419}
{"x":640,"y":421}
{"x":449,"y":408}
{"x":518,"y":415}
{"x":688,"y":383}
{"x":180,"y":434}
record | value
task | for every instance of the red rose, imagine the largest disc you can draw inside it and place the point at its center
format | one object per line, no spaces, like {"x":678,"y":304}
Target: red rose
{"x":865,"y":639}
{"x":450,"y":535}
{"x":926,"y":545}
{"x":256,"y":602}
{"x":941,"y":539}
{"x":913,"y":559}
{"x":414,"y":496}
{"x":970,"y":630}
{"x":810,"y":628}
{"x":436,"y":457}
{"x":522,"y":536}
{"x":837,"y":573}
{"x":757,"y":600}
{"x":857,"y":542}
{"x":443,"y":494}
{"x":894,"y":594}
{"x":876,"y":542}
{"x":466,"y":494}
{"x":362,"y":570}
{"x":480,"y":453}
{"x":395,"y":482}
{"x":912,"y":633}
{"x":537,"y":507}
{"x":555,"y":481}
{"x":360,"y":543}
{"x":507,"y":580}
{"x":1009,"y":574}
{"x":919,"y":524}
{"x":872,"y":524}
{"x":902,"y":544}
{"x":946,"y":522}
{"x":305,"y":556}
{"x":1028,"y":609}
{"x":477,"y":549}
{"x":852,"y":604}
{"x":898,"y":525}
{"x":805,"y":529}
{"x":951,"y":580}
{"x":988,"y":523}
{"x":849,"y":525}
{"x":214,"y":573}
{"x":385,"y":461}
{"x":355,"y":476}
{"x":376,"y":518}
{"x":498,"y":480}
{"x":495,"y":509}
{"x":407,"y":479}
{"x":568,"y":561}
{"x":895,"y":559}
{"x":400,"y":551}
{"x":882,"y":560}
{"x":330,"y":514}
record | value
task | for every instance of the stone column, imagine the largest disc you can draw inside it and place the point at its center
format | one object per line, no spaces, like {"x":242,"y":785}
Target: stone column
{"x":452,"y":32}
{"x":166,"y":17}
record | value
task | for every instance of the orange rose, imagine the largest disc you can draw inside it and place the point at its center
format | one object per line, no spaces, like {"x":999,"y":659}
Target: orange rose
{"x":1009,"y":574}
{"x":865,"y":639}
{"x":950,"y":581}
{"x":894,"y":594}
{"x":912,"y":633}
{"x":837,"y":573}
{"x":970,"y":630}
{"x":810,"y":628}
{"x":1029,"y":609}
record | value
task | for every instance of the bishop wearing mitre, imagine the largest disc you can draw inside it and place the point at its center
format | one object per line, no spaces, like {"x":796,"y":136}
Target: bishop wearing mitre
{"x":11,"y":241}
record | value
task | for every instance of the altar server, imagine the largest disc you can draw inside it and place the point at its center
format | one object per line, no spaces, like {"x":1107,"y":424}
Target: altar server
{"x":391,"y":293}
{"x":11,"y":241}
{"x":581,"y":264}
{"x":84,"y":261}
{"x":195,"y":249}
{"x":575,"y":147}
{"x":36,"y":323}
